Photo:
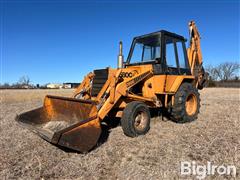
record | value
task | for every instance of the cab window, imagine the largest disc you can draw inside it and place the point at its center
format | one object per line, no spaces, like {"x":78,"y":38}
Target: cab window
{"x":144,"y":50}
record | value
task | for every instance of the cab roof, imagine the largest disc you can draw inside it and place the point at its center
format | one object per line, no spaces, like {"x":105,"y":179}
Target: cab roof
{"x":159,"y":34}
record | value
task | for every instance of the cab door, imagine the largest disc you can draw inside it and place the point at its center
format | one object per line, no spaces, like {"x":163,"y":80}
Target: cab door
{"x":176,"y":61}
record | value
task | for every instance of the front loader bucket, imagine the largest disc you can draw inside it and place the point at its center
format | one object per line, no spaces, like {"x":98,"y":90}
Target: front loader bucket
{"x":68,"y":122}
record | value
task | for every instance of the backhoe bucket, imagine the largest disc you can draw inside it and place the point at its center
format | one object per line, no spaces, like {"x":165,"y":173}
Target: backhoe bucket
{"x":68,"y":122}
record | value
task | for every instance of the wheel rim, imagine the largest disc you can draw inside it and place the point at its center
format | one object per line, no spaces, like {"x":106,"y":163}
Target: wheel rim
{"x":141,"y":120}
{"x":191,"y":104}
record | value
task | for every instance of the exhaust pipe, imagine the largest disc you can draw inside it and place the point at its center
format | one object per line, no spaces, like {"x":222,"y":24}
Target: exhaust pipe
{"x":120,"y":56}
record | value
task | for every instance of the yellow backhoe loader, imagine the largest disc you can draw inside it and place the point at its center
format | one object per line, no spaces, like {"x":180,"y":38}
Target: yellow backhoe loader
{"x":159,"y":72}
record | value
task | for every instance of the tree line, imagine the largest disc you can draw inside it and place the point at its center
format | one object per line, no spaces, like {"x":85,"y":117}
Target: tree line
{"x":222,"y":75}
{"x":23,"y":83}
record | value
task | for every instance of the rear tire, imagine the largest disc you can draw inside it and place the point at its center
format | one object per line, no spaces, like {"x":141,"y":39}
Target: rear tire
{"x":186,"y":104}
{"x":135,"y":120}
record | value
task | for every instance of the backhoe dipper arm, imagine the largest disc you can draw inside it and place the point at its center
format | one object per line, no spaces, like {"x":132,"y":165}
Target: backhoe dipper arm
{"x":194,"y":50}
{"x":195,"y":56}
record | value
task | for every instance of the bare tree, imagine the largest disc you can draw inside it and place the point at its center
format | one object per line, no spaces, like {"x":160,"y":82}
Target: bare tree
{"x":224,"y":71}
{"x":24,"y":80}
{"x":5,"y":86}
{"x":212,"y":72}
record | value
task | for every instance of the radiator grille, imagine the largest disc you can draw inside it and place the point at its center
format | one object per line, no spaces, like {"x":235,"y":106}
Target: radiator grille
{"x":100,"y":78}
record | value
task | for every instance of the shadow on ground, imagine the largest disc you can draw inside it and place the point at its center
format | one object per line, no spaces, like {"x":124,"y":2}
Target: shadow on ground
{"x":108,"y":124}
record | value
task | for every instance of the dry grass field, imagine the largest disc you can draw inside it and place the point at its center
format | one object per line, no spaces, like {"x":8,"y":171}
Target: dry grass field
{"x":214,"y":137}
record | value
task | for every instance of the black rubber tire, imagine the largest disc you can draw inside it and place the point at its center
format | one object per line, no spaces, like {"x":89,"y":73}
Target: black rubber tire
{"x":129,"y":117}
{"x":178,"y":110}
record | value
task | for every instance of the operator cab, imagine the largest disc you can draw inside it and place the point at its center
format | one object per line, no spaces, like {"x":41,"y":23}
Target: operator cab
{"x":166,"y":51}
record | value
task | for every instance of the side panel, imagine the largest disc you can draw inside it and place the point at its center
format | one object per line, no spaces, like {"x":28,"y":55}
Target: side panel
{"x":148,"y":89}
{"x":154,"y":85}
{"x":174,"y":81}
{"x":162,"y":84}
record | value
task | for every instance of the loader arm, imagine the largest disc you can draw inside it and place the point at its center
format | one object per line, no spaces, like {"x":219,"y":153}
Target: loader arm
{"x":117,"y":90}
{"x":84,"y":89}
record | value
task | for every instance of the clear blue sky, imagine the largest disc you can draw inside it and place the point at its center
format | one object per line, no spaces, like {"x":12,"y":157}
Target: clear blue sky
{"x":61,"y":41}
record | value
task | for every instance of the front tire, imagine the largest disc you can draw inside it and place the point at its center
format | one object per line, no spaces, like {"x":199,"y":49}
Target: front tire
{"x":186,"y":104}
{"x":135,"y":120}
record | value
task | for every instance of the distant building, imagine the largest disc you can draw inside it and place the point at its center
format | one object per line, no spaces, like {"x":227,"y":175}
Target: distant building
{"x":54,"y":86}
{"x":70,"y":85}
{"x":23,"y":86}
{"x":26,"y":87}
